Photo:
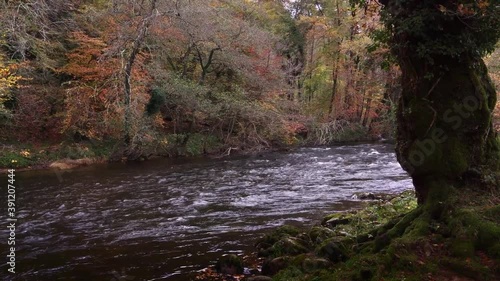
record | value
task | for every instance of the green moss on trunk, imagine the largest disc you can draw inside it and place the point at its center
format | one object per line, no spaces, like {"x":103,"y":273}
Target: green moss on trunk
{"x":444,"y":124}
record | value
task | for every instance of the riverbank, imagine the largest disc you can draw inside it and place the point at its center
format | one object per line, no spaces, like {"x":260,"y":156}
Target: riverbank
{"x":290,"y":253}
{"x":63,"y":156}
{"x":70,"y":155}
{"x":348,"y":246}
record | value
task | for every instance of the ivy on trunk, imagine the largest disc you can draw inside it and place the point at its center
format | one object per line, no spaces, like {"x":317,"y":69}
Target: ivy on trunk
{"x":445,"y":132}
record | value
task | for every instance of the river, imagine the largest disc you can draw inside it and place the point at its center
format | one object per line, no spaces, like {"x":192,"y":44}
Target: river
{"x":166,"y":219}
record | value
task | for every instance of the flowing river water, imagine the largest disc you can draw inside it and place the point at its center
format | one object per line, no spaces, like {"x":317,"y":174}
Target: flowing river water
{"x":167,"y":219}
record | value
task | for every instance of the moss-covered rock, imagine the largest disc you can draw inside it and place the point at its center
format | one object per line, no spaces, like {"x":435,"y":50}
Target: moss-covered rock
{"x":279,"y":242}
{"x":454,"y":235}
{"x":258,"y":278}
{"x":287,"y":246}
{"x":230,"y":264}
{"x":278,"y":234}
{"x":333,"y":220}
{"x":312,"y":264}
{"x":332,"y":250}
{"x":272,"y":266}
{"x":318,"y":234}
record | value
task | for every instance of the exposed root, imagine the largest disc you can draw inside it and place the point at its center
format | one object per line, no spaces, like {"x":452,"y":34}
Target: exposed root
{"x":455,"y":239}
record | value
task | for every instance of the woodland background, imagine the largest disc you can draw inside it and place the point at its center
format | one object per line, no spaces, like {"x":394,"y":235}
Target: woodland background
{"x":126,"y":79}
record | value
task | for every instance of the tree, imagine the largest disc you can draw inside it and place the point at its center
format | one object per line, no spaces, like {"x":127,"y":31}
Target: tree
{"x":8,"y":80}
{"x":91,"y":98}
{"x":493,"y":63}
{"x":343,"y":83}
{"x":34,"y":29}
{"x":136,"y":48}
{"x":445,"y":140}
{"x":210,"y":40}
{"x":33,"y":36}
{"x":445,"y":132}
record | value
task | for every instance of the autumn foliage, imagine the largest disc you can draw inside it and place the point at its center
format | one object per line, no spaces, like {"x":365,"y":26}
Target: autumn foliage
{"x":238,"y":74}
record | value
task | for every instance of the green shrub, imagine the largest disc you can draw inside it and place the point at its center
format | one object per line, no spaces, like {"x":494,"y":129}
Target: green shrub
{"x":15,"y":159}
{"x":336,"y":131}
{"x":75,"y":152}
{"x":156,"y":101}
{"x":195,"y":145}
{"x":352,"y":132}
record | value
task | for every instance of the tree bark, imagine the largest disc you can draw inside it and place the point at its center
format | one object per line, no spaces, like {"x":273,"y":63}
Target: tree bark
{"x":444,"y":125}
{"x":335,"y":75}
{"x":136,"y":47}
{"x":205,"y":66}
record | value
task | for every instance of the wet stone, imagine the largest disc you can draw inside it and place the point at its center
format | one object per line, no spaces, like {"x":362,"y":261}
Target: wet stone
{"x":258,"y":278}
{"x":230,"y":264}
{"x":271,"y":267}
{"x":333,"y":220}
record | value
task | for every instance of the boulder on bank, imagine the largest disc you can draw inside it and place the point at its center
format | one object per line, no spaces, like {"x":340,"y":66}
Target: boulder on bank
{"x":333,"y":220}
{"x":230,"y":264}
{"x":333,"y":251}
{"x":291,"y":246}
{"x":286,"y":246}
{"x":372,"y":196}
{"x":273,"y":266}
{"x":278,"y":234}
{"x":319,"y":234}
{"x":259,"y":278}
{"x":311,"y":264}
{"x":273,"y":243}
{"x":67,"y":164}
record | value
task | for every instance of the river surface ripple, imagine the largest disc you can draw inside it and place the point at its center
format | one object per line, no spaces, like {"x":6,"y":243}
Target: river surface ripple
{"x":166,"y":219}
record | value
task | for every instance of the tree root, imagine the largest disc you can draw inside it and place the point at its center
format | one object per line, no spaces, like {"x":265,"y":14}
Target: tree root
{"x":440,"y":240}
{"x":462,"y":243}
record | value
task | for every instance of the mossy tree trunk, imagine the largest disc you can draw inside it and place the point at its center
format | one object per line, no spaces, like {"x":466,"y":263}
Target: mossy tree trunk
{"x":445,"y":137}
{"x":445,"y":132}
{"x":444,"y":121}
